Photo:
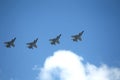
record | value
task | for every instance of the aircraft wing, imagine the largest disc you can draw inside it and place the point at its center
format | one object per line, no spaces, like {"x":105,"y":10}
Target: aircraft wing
{"x":8,"y":46}
{"x":6,"y":42}
{"x":30,"y":47}
{"x":35,"y":46}
{"x":13,"y":45}
{"x":52,"y":40}
{"x":80,"y":39}
{"x":29,"y":43}
{"x":74,"y":36}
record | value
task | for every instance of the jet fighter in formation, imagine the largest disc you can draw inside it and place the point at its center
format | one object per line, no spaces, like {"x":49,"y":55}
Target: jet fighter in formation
{"x":77,"y":37}
{"x":31,"y":45}
{"x":10,"y":43}
{"x":55,"y":41}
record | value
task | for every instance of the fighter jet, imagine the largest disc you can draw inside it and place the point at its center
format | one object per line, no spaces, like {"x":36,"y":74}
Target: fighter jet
{"x":77,"y":37}
{"x":10,"y":43}
{"x":32,"y":44}
{"x":55,"y":41}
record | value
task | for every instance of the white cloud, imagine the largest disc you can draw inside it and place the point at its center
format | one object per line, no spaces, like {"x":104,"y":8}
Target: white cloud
{"x":66,"y":65}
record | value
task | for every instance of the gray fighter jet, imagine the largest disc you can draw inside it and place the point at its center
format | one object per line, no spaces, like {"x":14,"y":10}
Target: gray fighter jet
{"x":55,"y":41}
{"x":77,"y":37}
{"x":10,"y":43}
{"x":32,"y":44}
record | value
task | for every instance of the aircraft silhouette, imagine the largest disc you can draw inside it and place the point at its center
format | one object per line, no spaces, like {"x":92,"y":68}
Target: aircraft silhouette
{"x":55,"y":41}
{"x":10,"y":43}
{"x":32,"y":44}
{"x":77,"y":37}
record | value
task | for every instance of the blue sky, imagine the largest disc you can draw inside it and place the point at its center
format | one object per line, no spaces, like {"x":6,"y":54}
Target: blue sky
{"x":30,"y":19}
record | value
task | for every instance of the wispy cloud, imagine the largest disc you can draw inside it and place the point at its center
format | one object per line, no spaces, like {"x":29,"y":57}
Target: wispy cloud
{"x":35,"y":67}
{"x":66,"y":65}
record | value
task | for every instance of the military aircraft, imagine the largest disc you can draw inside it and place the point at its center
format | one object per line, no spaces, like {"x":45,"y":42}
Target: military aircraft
{"x":10,"y":43}
{"x":55,"y":41}
{"x":77,"y":37}
{"x":32,"y":44}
